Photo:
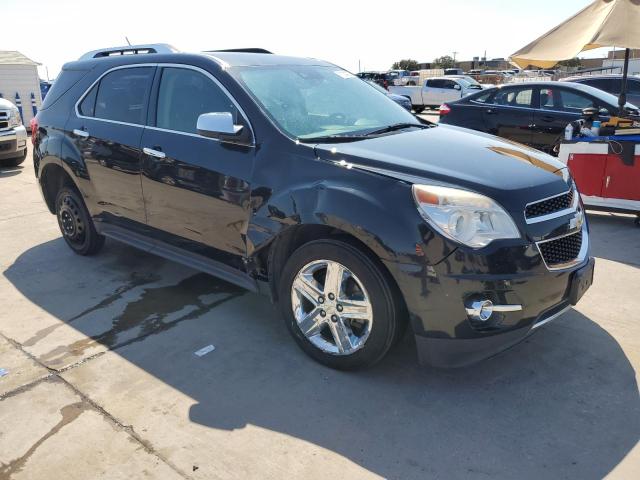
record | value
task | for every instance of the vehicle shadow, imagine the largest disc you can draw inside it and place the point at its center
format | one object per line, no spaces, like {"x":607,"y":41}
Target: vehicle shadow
{"x":6,"y":172}
{"x":564,"y":403}
{"x":614,"y":237}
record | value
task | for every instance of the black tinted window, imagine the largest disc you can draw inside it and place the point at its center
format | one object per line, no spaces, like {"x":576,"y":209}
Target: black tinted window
{"x":633,"y":87}
{"x":435,"y":83}
{"x":186,"y":94}
{"x":601,"y":83}
{"x":122,"y":95}
{"x":88,"y":104}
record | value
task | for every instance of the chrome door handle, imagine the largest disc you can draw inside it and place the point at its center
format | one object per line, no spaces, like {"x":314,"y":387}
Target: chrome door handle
{"x":153,"y":153}
{"x":608,"y":181}
{"x":80,"y":133}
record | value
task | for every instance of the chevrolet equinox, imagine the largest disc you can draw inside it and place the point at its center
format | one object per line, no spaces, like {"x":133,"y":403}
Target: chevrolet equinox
{"x":293,"y":177}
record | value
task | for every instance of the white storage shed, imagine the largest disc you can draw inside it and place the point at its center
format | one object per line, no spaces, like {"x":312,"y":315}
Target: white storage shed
{"x":19,"y":75}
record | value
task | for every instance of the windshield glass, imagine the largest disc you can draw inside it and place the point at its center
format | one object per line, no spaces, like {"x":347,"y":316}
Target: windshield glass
{"x":320,"y":101}
{"x":602,"y":95}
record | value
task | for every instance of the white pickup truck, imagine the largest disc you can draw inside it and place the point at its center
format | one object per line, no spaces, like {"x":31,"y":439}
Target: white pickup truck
{"x":436,"y":91}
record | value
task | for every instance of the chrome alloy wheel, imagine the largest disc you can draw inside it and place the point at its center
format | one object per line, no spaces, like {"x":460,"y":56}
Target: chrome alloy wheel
{"x":331,"y":307}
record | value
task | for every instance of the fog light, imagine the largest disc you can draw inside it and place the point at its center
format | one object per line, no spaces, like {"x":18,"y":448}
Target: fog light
{"x":22,"y":143}
{"x":480,"y":310}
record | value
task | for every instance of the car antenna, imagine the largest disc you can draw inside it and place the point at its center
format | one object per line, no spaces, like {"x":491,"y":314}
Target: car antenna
{"x":127,"y":39}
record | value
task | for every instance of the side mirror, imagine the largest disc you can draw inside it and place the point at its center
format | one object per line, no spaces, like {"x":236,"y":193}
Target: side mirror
{"x":217,"y":125}
{"x":457,"y":87}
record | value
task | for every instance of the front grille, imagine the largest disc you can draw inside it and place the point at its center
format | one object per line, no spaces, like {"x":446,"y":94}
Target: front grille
{"x":561,"y":250}
{"x":4,"y":146}
{"x":550,"y":205}
{"x":3,"y":125}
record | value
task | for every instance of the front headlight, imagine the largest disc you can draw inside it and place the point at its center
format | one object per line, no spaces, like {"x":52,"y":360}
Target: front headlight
{"x":466,"y":217}
{"x":14,"y":118}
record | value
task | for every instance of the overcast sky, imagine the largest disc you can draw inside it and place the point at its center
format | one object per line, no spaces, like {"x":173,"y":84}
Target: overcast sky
{"x":344,"y":32}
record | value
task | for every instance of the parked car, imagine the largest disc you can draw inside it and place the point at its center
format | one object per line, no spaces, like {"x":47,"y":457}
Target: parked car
{"x":289,"y":176}
{"x":453,"y":71}
{"x":403,"y":77}
{"x":533,"y":113}
{"x":13,"y":135}
{"x":404,"y":102}
{"x":381,"y":78}
{"x":435,"y":91}
{"x":611,"y":84}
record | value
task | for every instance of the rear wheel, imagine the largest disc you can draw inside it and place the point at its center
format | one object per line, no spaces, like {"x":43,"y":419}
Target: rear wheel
{"x":14,"y":162}
{"x":338,"y":305}
{"x":418,"y":109}
{"x":75,"y":223}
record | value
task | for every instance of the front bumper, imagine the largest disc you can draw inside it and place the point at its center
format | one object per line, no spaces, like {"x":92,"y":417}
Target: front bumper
{"x":13,"y":142}
{"x":438,"y":296}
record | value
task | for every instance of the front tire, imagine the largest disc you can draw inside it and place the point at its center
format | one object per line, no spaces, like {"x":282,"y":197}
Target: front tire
{"x":76,"y":224}
{"x":338,"y":305}
{"x":418,"y":109}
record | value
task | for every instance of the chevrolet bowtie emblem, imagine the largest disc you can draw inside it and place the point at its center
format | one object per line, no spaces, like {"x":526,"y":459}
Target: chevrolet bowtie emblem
{"x":577,"y":221}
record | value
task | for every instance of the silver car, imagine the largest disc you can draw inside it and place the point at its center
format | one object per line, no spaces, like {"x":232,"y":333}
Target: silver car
{"x":13,"y":135}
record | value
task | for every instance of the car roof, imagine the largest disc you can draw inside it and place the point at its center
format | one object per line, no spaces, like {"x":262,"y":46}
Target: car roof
{"x":238,"y":59}
{"x":598,"y":77}
{"x":224,"y":59}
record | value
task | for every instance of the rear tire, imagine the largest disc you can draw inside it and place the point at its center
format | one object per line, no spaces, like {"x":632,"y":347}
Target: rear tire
{"x":76,"y":224}
{"x":418,"y":109}
{"x":316,"y":308}
{"x":14,"y":162}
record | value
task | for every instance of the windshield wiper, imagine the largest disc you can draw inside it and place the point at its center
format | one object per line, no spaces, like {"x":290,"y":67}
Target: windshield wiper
{"x":396,"y":126}
{"x":361,"y":136}
{"x":332,"y":139}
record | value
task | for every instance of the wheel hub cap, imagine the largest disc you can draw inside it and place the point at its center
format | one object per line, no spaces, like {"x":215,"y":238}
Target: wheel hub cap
{"x":70,"y":220}
{"x":331,"y":307}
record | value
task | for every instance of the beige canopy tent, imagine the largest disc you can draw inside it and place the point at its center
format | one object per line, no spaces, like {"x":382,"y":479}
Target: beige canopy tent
{"x":604,"y":23}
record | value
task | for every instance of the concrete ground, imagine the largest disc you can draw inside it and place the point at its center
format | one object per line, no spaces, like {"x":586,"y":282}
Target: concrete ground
{"x":101,"y":379}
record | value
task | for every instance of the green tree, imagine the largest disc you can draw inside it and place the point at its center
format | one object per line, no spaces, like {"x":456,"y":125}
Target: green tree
{"x":444,"y":62}
{"x":406,"y":64}
{"x":573,"y":62}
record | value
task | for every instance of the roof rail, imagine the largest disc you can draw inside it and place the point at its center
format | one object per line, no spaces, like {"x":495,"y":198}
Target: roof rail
{"x":245,"y":50}
{"x":130,"y":50}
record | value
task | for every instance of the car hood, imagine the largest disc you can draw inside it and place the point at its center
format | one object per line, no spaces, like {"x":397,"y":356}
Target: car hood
{"x":5,"y":104}
{"x":508,"y":172}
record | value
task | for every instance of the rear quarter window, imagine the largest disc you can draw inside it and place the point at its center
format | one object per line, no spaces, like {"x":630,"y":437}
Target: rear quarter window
{"x":67,"y":78}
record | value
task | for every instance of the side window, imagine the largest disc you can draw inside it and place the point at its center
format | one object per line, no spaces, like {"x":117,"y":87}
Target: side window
{"x":514,"y":97}
{"x":88,"y":105}
{"x":450,"y":84}
{"x":546,"y":99}
{"x":482,"y":98}
{"x":435,"y":83}
{"x":574,"y":102}
{"x":601,"y":83}
{"x":633,"y":87}
{"x":186,"y":94}
{"x":122,"y":95}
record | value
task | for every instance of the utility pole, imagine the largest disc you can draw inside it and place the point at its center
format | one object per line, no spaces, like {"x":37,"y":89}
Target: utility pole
{"x":454,"y":56}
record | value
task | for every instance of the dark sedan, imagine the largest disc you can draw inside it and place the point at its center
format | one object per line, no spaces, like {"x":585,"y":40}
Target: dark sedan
{"x":534,"y":114}
{"x":612,"y":84}
{"x":404,"y":102}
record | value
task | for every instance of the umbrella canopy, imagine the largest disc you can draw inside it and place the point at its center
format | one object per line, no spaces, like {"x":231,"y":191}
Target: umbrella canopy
{"x":604,"y":23}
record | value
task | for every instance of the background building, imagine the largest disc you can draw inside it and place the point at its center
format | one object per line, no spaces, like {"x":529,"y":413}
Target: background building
{"x":19,"y":74}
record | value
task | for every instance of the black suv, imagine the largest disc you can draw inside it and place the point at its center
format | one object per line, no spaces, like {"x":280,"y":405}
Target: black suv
{"x":293,"y":177}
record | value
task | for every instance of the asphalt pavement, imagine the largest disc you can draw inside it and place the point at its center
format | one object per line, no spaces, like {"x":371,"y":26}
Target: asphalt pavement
{"x":99,"y":377}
